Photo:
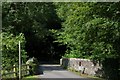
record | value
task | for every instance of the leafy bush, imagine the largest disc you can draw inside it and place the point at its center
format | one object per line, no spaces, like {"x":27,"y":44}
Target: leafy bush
{"x":10,"y":49}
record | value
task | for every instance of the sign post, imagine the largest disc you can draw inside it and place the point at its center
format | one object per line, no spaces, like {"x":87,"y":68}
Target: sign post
{"x":19,"y":62}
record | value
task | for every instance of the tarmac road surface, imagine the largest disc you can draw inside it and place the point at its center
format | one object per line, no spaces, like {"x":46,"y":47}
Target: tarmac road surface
{"x":51,"y":72}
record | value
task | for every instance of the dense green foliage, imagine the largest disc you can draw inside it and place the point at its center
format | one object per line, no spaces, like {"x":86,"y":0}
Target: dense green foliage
{"x":34,"y":20}
{"x":90,"y":30}
{"x":83,"y":30}
{"x":10,"y":49}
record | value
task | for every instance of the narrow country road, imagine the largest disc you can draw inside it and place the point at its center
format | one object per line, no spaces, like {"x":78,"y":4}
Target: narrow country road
{"x":56,"y":71}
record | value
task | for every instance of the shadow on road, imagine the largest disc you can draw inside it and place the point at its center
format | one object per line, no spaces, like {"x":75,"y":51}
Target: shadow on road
{"x":50,"y":67}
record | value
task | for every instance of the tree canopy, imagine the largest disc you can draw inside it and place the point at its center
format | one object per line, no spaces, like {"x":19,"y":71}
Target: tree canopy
{"x":34,"y":20}
{"x":90,"y":30}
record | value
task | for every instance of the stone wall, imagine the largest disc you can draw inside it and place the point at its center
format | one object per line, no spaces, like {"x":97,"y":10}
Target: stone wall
{"x":85,"y":66}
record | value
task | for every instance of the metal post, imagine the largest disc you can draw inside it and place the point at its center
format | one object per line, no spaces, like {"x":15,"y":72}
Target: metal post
{"x":19,"y":62}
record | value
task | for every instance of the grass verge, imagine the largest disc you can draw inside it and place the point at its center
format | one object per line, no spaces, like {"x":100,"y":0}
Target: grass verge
{"x":30,"y":78}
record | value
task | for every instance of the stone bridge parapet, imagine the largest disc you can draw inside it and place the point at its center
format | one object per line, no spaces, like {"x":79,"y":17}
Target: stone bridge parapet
{"x":85,"y":66}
